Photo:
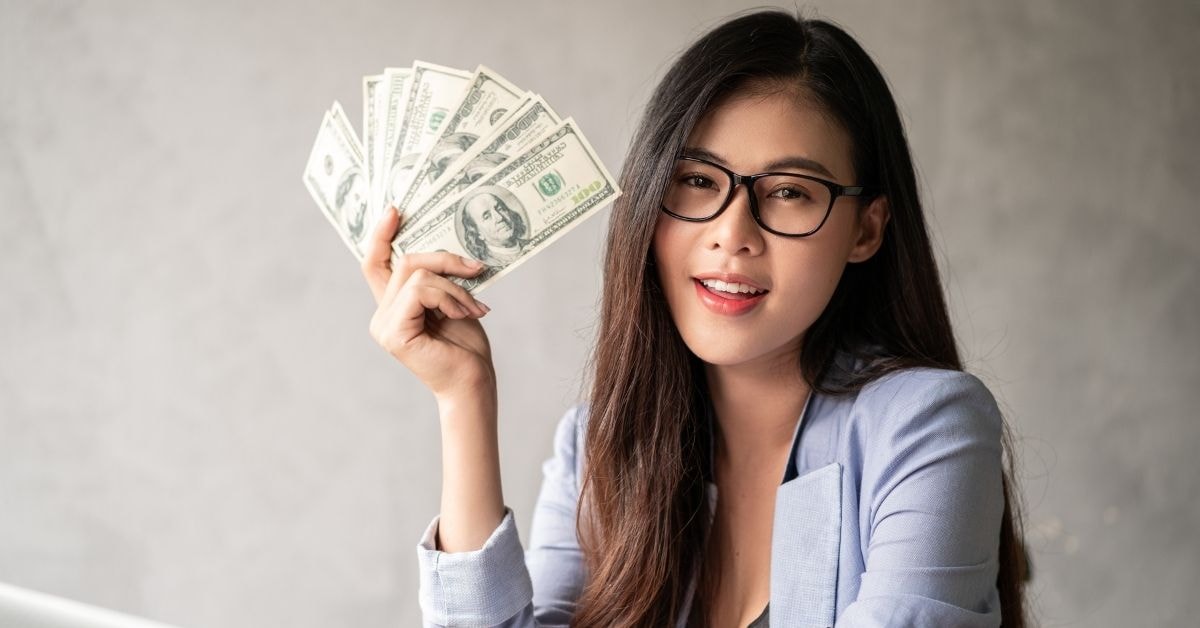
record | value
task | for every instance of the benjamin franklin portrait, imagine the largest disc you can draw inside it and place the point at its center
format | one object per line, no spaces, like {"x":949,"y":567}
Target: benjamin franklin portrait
{"x":351,"y":202}
{"x":480,"y":165}
{"x":492,"y":226}
{"x":446,"y":151}
{"x":399,"y":178}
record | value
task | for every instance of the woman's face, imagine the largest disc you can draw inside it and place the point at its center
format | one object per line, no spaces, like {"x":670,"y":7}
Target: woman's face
{"x":797,"y":276}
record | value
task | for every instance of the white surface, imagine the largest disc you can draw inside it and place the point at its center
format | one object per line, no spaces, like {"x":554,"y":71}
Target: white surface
{"x":22,"y":608}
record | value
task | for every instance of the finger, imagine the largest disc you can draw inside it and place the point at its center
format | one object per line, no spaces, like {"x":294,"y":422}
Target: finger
{"x":422,"y":277}
{"x":377,"y":262}
{"x":437,"y":262}
{"x":414,"y":301}
{"x":452,"y":309}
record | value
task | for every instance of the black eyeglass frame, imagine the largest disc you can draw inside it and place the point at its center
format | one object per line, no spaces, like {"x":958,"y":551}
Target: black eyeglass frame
{"x":835,"y":191}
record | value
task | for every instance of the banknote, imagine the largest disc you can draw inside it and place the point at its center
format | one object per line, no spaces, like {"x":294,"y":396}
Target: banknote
{"x":335,"y":178}
{"x":372,"y":86}
{"x":395,"y":88}
{"x":486,"y":103}
{"x":480,"y":166}
{"x":518,"y":209}
{"x":533,"y":119}
{"x":434,"y":90}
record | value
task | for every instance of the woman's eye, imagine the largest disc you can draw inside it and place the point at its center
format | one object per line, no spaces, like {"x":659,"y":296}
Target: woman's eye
{"x":697,"y":181}
{"x":790,"y":193}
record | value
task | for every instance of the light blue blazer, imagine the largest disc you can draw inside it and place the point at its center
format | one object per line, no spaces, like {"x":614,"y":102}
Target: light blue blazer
{"x":892,"y":519}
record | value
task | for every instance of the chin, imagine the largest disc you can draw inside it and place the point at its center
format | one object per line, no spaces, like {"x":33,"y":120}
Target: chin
{"x":722,"y":346}
{"x":723,"y":358}
{"x":724,"y":349}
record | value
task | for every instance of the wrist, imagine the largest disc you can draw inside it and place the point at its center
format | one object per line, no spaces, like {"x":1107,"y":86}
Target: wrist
{"x":470,"y":393}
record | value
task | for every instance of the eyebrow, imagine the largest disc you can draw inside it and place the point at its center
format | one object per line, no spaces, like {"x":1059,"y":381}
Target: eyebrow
{"x":792,"y":161}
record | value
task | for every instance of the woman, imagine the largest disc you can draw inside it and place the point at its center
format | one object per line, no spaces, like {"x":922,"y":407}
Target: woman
{"x":773,"y":332}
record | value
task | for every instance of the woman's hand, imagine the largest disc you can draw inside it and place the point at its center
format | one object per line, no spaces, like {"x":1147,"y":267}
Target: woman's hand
{"x":423,"y":319}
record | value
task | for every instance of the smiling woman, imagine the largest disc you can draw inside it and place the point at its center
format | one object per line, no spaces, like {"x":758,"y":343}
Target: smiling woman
{"x":794,"y":276}
{"x":773,"y":333}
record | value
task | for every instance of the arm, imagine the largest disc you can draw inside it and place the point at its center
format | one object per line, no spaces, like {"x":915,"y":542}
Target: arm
{"x":931,"y":491}
{"x":431,"y":325}
{"x":499,"y":584}
{"x":472,"y":565}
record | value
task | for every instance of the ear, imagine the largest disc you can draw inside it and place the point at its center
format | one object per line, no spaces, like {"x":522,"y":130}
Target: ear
{"x":872,"y":219}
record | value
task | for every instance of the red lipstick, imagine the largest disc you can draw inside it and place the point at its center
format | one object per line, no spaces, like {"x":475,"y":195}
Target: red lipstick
{"x":727,"y":303}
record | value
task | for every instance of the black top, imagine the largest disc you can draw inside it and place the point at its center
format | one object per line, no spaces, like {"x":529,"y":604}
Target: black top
{"x":761,"y":622}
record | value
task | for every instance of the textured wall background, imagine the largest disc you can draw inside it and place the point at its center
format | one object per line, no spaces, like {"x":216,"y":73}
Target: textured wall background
{"x":195,"y":425}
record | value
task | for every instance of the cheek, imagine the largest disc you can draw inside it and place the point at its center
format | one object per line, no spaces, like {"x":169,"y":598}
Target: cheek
{"x":666,"y":249}
{"x":662,"y":230}
{"x":807,"y":286}
{"x":806,"y":282}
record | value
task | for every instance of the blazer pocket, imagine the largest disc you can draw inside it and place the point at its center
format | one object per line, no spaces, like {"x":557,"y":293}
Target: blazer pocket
{"x":805,"y":544}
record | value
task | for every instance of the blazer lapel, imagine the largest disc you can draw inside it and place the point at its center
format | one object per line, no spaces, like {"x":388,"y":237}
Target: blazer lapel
{"x":805,"y":543}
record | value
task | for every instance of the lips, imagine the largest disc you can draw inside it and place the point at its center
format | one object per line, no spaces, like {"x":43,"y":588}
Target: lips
{"x":726,"y":303}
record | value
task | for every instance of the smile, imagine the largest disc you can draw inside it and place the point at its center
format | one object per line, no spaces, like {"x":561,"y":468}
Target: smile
{"x":730,"y":299}
{"x":730,"y":287}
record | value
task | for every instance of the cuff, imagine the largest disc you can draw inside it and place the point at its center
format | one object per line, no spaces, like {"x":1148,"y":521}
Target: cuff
{"x":482,"y":587}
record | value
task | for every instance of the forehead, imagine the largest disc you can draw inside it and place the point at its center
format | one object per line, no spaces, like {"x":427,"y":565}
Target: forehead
{"x":750,"y":131}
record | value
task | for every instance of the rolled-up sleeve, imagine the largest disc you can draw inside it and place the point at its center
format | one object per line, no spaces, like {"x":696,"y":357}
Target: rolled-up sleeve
{"x":932,"y":495}
{"x":501,"y":584}
{"x":483,"y":587}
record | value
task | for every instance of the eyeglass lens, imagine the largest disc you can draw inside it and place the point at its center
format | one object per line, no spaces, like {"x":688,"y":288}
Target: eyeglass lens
{"x":787,"y":204}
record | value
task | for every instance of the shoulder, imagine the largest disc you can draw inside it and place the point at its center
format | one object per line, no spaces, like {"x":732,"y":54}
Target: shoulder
{"x":915,"y":385}
{"x":930,"y":405}
{"x":568,"y":441}
{"x":572,"y":423}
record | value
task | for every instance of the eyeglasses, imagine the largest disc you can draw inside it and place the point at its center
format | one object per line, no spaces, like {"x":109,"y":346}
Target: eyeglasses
{"x":783,"y":203}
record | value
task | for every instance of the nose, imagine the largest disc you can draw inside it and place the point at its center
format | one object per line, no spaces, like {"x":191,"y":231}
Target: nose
{"x":735,"y":231}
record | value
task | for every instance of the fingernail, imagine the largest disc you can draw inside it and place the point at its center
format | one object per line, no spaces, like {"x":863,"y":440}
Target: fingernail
{"x":474,"y":263}
{"x":483,"y":305}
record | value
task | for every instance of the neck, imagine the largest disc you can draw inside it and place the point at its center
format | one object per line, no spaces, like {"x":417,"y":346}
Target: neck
{"x":757,"y":406}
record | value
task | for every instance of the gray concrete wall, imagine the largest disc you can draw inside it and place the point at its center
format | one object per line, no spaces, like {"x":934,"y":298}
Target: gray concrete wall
{"x":195,"y":425}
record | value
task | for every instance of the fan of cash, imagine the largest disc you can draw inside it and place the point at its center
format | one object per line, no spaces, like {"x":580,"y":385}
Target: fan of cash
{"x":475,"y":166}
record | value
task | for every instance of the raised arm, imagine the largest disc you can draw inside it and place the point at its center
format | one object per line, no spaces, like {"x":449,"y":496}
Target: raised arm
{"x":430,"y":325}
{"x":472,"y":567}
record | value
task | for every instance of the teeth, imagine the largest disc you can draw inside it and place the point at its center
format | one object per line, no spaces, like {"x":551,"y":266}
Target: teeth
{"x":717,"y":284}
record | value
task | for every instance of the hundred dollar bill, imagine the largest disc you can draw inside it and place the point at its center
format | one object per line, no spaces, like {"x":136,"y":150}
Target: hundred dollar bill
{"x":487,"y":101}
{"x":372,"y":107}
{"x":516,"y":211}
{"x":532,"y":120}
{"x":434,"y":90}
{"x":335,"y":177}
{"x":396,"y":84}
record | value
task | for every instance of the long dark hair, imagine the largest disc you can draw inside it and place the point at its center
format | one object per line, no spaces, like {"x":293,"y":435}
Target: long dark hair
{"x":642,"y":513}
